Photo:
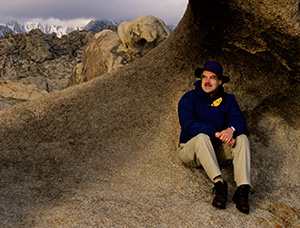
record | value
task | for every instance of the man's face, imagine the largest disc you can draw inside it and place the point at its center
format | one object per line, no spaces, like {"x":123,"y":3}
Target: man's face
{"x":210,"y":82}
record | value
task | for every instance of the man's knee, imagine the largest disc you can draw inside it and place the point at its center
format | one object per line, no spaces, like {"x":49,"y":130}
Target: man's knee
{"x":202,"y":137}
{"x":202,"y":143}
{"x":188,"y":150}
{"x":243,"y":139}
{"x":242,"y":145}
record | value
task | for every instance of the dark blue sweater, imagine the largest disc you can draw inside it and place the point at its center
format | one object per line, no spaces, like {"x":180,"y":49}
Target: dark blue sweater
{"x":197,"y":115}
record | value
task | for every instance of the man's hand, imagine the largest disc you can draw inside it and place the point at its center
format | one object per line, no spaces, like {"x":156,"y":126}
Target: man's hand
{"x":226,"y":136}
{"x":231,"y":143}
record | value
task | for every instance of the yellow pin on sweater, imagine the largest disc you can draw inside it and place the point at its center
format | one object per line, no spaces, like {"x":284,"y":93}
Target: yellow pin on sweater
{"x":217,"y":102}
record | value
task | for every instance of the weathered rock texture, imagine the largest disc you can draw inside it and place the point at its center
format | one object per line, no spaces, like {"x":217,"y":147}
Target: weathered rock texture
{"x":142,"y":34}
{"x":103,"y":154}
{"x":10,"y":90}
{"x":38,"y":59}
{"x":109,"y":50}
{"x":99,"y":57}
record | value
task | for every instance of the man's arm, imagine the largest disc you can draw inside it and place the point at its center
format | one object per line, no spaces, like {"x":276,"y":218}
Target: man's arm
{"x":236,"y":119}
{"x":236,"y":123}
{"x":188,"y":120}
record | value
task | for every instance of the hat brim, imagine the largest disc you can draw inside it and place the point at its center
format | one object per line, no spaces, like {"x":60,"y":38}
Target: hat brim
{"x":198,"y":72}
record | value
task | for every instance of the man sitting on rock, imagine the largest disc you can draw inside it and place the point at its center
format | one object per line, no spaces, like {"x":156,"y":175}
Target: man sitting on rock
{"x":213,"y":130}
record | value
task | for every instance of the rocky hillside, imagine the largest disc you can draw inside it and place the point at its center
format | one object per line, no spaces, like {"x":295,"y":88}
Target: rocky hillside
{"x":35,"y":64}
{"x":45,"y":62}
{"x":103,"y":153}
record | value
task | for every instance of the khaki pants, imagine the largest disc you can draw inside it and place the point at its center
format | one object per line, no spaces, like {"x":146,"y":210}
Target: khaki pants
{"x":199,"y":151}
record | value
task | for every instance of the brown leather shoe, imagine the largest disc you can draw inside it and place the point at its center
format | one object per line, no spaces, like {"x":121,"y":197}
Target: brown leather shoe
{"x":241,"y":198}
{"x":220,"y":191}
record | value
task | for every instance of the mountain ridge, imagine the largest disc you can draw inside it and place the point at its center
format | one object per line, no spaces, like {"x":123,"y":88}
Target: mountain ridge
{"x":18,"y":27}
{"x":15,"y":27}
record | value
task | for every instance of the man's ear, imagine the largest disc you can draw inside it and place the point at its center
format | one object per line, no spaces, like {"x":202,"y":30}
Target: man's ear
{"x":220,"y":81}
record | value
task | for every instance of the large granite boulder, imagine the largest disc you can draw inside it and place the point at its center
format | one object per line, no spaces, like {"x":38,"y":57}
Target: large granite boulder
{"x":109,"y":50}
{"x":103,"y":153}
{"x":142,"y":34}
{"x":99,"y":57}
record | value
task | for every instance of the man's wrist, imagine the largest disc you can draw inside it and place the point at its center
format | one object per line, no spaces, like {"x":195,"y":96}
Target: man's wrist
{"x":232,"y":127}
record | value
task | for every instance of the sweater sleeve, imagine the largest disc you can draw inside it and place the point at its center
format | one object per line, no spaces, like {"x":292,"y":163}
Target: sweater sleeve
{"x":188,"y":119}
{"x":236,"y":118}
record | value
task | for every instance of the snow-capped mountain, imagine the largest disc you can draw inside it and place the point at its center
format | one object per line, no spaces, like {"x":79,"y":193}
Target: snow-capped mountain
{"x":94,"y":25}
{"x":98,"y":25}
{"x":16,"y":27}
{"x":4,"y":29}
{"x":49,"y":29}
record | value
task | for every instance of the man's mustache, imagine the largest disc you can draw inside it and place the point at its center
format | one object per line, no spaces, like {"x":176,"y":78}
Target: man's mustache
{"x":207,"y":84}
